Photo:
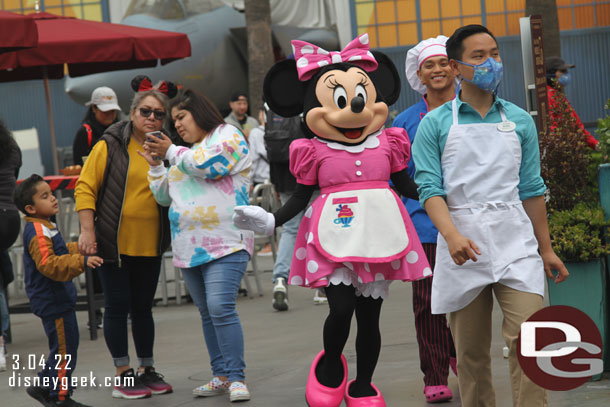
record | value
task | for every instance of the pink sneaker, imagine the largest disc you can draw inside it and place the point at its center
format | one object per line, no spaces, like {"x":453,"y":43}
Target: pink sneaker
{"x":318,"y":395}
{"x":154,"y":381}
{"x":370,"y":401}
{"x":130,"y":387}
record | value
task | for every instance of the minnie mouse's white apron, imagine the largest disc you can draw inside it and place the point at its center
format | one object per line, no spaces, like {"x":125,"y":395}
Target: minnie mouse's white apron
{"x":480,"y":166}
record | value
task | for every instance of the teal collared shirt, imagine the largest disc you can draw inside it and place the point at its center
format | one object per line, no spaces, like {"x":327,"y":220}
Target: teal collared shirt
{"x":432,"y":135}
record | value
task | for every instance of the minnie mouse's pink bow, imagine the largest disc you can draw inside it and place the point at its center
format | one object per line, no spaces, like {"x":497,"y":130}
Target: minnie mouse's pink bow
{"x":310,"y":57}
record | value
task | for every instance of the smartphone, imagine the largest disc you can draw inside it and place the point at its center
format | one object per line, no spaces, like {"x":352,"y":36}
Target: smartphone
{"x":157,"y":134}
{"x":149,"y":136}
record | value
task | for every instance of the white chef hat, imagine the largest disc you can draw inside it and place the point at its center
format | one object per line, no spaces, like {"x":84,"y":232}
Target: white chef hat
{"x":416,"y":56}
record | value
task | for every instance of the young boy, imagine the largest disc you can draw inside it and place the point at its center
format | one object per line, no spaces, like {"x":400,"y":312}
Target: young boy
{"x":50,"y":265}
{"x":477,"y":165}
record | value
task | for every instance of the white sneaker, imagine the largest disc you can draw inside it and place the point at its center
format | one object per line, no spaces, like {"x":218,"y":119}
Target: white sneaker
{"x":320,"y":297}
{"x":213,"y":388}
{"x":238,"y":392}
{"x":280,"y":295}
{"x":2,"y":355}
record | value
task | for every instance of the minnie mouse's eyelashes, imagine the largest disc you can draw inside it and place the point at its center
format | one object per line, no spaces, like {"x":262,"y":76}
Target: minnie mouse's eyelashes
{"x":340,"y":97}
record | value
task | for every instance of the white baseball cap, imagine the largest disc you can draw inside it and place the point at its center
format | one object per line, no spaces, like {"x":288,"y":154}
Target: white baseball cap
{"x":104,"y":99}
{"x":416,"y":56}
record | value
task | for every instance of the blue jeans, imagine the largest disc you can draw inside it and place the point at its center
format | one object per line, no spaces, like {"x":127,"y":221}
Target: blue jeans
{"x":213,"y":287}
{"x":4,"y":315}
{"x":285,"y":248}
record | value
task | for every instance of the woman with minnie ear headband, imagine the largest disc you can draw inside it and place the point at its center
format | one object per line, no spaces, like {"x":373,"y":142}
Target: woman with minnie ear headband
{"x":202,"y":186}
{"x":112,"y":217}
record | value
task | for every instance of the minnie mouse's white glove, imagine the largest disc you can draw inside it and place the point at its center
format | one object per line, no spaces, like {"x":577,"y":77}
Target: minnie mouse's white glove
{"x":254,"y":218}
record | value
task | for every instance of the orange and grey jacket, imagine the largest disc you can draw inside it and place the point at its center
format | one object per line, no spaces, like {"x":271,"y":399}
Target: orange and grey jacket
{"x":50,"y":265}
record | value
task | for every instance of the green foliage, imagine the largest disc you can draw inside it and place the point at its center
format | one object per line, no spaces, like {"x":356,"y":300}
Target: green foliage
{"x":569,"y":168}
{"x":577,"y":234}
{"x":603,"y":134}
{"x":565,"y":158}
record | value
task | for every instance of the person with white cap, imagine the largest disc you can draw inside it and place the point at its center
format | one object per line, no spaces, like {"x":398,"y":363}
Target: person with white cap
{"x":428,"y":72}
{"x":103,"y":111}
{"x":478,"y":174}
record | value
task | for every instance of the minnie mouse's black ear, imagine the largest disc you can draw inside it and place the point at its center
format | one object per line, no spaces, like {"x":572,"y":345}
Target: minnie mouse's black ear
{"x":282,"y":89}
{"x":386,"y":78}
{"x":136,"y":83}
{"x":172,"y":89}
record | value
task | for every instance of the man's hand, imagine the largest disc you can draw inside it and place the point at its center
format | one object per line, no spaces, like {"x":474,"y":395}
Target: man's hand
{"x":94,"y":261}
{"x":552,"y":262}
{"x":461,"y":248}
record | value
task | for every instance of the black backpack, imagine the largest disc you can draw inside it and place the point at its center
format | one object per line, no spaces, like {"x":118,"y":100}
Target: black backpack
{"x":279,"y":133}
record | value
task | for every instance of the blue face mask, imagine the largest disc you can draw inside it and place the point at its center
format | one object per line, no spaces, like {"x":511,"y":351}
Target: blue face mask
{"x":564,"y":80}
{"x":487,"y":75}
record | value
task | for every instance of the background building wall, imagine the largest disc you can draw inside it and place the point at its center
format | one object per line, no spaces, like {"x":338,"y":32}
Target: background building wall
{"x":394,"y":26}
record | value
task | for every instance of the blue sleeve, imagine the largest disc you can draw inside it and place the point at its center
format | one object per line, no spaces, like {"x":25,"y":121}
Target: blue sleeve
{"x":531,"y":183}
{"x":427,"y":157}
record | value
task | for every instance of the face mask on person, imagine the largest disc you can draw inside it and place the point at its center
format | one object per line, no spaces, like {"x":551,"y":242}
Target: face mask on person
{"x":487,"y":75}
{"x":564,"y":80}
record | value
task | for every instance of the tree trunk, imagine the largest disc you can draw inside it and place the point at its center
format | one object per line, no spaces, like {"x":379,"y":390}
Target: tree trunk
{"x":550,"y":24}
{"x":260,"y":49}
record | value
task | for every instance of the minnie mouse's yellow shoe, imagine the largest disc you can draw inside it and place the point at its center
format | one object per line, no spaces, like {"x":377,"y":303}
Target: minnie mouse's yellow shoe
{"x":318,"y":395}
{"x":370,"y":401}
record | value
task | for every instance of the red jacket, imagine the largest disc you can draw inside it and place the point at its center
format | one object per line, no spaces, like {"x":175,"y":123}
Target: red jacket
{"x":552,"y":94}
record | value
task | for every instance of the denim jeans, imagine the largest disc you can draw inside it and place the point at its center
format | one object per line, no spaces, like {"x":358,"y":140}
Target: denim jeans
{"x":130,"y":289}
{"x":213,"y":287}
{"x":287,"y":240}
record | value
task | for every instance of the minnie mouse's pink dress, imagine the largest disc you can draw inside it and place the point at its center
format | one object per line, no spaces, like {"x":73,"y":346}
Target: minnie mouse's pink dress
{"x":357,"y":232}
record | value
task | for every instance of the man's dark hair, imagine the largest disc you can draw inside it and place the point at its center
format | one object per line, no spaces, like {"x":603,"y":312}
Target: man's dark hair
{"x":236,"y":95}
{"x":25,"y":191}
{"x":205,"y":113}
{"x":455,"y":49}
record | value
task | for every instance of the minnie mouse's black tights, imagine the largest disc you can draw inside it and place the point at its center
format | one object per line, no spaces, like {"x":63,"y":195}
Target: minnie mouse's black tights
{"x":342,"y":301}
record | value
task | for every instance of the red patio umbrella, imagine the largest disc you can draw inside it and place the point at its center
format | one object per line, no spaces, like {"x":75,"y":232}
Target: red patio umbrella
{"x":87,"y":47}
{"x":16,"y":32}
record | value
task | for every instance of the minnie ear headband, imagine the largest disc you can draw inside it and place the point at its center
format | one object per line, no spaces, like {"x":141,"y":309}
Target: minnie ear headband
{"x":311,"y":58}
{"x":142,"y":83}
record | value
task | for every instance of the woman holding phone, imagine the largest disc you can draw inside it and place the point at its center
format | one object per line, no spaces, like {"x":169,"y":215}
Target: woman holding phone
{"x":115,"y":207}
{"x":202,"y":186}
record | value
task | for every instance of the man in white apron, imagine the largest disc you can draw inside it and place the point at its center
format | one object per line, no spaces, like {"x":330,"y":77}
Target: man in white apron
{"x":478,"y":170}
{"x":428,"y":72}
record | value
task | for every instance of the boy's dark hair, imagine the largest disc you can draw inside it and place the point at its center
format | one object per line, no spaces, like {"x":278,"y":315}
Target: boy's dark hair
{"x":455,"y":49}
{"x":24,"y":193}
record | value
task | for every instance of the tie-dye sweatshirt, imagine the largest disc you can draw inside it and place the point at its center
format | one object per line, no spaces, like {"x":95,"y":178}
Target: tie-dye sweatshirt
{"x":202,"y":186}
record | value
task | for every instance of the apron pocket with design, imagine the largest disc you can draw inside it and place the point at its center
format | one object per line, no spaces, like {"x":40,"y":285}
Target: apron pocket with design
{"x":363,"y":224}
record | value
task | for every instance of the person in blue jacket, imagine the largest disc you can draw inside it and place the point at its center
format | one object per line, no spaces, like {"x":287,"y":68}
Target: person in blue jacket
{"x":428,"y":72}
{"x":50,"y":265}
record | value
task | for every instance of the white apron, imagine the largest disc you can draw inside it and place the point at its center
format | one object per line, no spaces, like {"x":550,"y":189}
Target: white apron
{"x":480,"y":166}
{"x":349,"y":219}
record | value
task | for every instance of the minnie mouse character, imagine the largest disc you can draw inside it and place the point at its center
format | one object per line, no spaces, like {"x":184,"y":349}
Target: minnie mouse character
{"x":356,"y":237}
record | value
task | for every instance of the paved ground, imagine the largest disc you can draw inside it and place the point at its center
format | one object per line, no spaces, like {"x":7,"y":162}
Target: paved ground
{"x":279,"y":349}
